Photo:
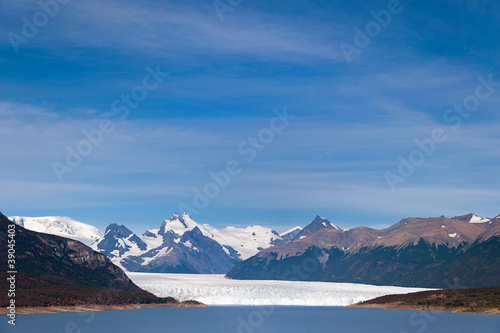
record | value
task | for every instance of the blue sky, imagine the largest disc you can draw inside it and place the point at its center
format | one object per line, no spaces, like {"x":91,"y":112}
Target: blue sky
{"x":353,"y":118}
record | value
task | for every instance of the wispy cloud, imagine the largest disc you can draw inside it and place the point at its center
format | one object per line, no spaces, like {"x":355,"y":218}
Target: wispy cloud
{"x":315,"y":164}
{"x":189,"y":29}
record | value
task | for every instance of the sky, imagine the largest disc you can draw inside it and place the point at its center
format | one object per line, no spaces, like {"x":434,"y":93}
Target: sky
{"x":249,"y":112}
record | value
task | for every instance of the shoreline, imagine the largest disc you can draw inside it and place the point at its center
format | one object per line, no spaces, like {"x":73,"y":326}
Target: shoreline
{"x":468,"y":300}
{"x":96,"y":307}
{"x":85,"y":308}
{"x":400,"y":306}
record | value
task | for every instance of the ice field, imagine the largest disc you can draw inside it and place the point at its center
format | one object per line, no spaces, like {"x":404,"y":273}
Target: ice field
{"x":215,"y":289}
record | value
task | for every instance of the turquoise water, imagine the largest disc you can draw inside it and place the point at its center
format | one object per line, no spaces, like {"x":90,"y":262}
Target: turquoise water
{"x":249,"y":319}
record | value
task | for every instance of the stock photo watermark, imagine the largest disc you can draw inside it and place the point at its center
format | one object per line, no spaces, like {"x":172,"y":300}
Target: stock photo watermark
{"x":11,"y":273}
{"x":121,"y":108}
{"x":247,"y":149}
{"x":223,"y":6}
{"x":31,"y":26}
{"x":364,"y":36}
{"x":453,"y":116}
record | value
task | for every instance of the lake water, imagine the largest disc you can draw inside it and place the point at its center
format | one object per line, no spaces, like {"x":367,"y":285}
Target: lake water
{"x":250,"y":319}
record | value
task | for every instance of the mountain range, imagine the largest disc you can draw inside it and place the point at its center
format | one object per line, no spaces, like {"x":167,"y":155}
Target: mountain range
{"x":179,"y":245}
{"x":426,"y":252}
{"x":423,"y":252}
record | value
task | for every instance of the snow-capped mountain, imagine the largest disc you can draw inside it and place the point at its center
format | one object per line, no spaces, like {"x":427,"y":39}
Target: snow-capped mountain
{"x":118,"y":241}
{"x":318,"y":223}
{"x":60,"y":226}
{"x":181,"y":245}
{"x":245,"y":241}
{"x":191,"y":252}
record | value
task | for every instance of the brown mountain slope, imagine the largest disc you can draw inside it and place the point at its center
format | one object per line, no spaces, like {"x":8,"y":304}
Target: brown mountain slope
{"x":428,"y":252}
{"x":493,"y":231}
{"x":439,"y":231}
{"x":326,"y":238}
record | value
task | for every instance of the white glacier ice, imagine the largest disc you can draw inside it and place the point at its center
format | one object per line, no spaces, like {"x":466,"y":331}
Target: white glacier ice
{"x":216,"y":289}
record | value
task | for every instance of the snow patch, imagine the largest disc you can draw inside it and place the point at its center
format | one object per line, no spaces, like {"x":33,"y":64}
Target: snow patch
{"x":478,"y":219}
{"x":334,"y":226}
{"x":289,"y":231}
{"x":120,"y":243}
{"x":226,"y":250}
{"x":152,"y":242}
{"x":161,"y":253}
{"x":453,"y":235}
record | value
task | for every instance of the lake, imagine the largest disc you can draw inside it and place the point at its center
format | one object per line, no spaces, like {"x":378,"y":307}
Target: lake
{"x":255,"y":319}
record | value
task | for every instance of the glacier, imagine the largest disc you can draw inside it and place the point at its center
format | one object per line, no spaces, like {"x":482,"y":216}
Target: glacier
{"x":216,"y":289}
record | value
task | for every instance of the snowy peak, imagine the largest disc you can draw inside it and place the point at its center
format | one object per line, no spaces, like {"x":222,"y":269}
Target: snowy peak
{"x":259,"y":231}
{"x":118,"y":230}
{"x":245,"y":241}
{"x":183,"y":245}
{"x":178,"y":224}
{"x":324,"y":222}
{"x":60,"y":226}
{"x":119,"y":241}
{"x":317,"y":224}
{"x":472,"y":218}
{"x":321,"y":223}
